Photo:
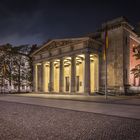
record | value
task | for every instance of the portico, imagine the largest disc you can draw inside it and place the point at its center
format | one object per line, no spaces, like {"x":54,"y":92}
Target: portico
{"x":74,"y":70}
{"x":68,"y":76}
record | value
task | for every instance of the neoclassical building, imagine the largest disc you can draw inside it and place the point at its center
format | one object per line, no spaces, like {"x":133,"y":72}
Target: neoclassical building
{"x":76,"y":65}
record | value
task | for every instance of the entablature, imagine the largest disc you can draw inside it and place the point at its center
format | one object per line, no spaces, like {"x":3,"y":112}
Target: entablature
{"x":67,"y":49}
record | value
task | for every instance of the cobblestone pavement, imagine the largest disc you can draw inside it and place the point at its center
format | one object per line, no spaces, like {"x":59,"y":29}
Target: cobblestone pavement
{"x":30,"y":122}
{"x":114,"y":109}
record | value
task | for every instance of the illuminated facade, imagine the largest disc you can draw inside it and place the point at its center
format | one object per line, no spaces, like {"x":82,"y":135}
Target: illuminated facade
{"x":75,"y":69}
{"x":76,"y":65}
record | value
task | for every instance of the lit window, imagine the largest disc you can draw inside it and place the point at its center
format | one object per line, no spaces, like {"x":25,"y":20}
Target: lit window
{"x":134,"y":50}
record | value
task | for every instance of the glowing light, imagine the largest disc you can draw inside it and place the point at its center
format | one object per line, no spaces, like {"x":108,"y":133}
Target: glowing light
{"x":38,"y":64}
{"x":57,"y":60}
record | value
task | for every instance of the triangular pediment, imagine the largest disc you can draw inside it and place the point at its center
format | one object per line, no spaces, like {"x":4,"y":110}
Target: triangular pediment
{"x":58,"y":43}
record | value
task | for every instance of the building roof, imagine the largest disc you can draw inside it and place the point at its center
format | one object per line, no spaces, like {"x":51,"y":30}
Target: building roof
{"x":117,"y":21}
{"x":59,"y":42}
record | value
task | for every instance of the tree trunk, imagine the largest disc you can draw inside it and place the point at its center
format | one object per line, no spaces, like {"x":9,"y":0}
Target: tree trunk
{"x":19,"y":84}
{"x":10,"y":79}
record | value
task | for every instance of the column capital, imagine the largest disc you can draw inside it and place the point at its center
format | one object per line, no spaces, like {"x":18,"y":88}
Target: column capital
{"x":87,"y":51}
{"x":61,"y":58}
{"x":43,"y":62}
{"x":51,"y":61}
{"x":73,"y":55}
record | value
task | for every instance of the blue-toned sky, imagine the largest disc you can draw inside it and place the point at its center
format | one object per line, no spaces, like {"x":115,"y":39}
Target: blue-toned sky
{"x":36,"y":21}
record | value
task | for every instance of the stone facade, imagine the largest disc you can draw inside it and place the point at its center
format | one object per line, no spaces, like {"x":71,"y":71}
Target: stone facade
{"x":84,"y":57}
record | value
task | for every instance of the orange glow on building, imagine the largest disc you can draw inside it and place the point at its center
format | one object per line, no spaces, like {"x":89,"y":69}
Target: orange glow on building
{"x":133,"y":62}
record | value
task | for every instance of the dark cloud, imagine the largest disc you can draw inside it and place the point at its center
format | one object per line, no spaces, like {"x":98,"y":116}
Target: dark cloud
{"x":35,"y":21}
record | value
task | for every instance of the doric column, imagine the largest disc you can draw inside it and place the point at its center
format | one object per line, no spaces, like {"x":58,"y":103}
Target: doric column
{"x":61,"y":76}
{"x":42,"y":76}
{"x":35,"y":78}
{"x":73,"y":73}
{"x":51,"y":77}
{"x":87,"y":74}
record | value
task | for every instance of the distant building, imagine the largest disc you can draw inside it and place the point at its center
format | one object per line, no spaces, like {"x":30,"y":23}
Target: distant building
{"x":76,"y":65}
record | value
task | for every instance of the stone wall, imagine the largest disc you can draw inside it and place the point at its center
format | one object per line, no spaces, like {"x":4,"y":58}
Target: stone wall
{"x":115,"y":61}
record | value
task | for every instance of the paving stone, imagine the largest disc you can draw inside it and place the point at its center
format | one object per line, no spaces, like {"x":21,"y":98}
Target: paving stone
{"x":30,"y":122}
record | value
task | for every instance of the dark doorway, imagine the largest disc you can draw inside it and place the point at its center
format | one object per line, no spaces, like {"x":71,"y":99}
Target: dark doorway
{"x":77,"y":83}
{"x":67,"y":83}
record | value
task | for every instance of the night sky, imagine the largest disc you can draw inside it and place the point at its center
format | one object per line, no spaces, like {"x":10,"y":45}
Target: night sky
{"x":36,"y":21}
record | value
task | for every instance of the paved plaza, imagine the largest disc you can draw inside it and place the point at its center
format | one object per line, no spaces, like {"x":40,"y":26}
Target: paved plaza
{"x":128,"y":107}
{"x":30,"y":122}
{"x":49,"y":117}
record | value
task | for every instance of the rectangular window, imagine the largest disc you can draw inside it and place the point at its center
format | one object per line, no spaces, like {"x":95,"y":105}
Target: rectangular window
{"x":134,"y":50}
